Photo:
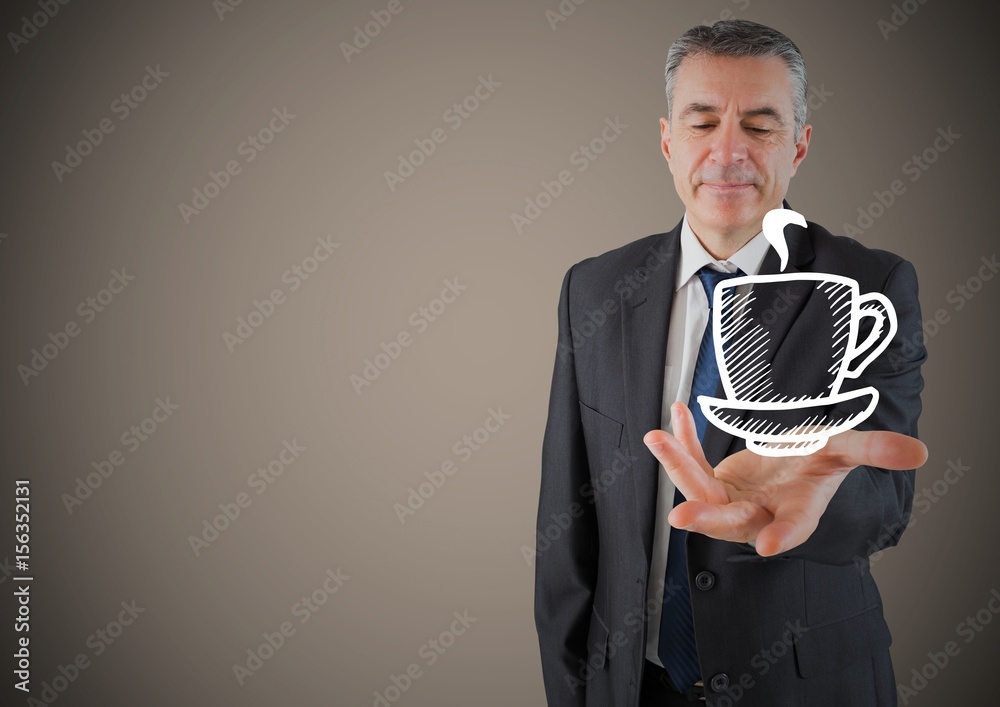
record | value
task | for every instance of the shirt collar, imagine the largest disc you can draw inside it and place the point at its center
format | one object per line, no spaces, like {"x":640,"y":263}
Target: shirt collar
{"x":694,"y":256}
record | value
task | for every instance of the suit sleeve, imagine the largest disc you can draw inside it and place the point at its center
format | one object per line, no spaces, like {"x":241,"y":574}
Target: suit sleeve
{"x":872,"y":507}
{"x":566,"y":531}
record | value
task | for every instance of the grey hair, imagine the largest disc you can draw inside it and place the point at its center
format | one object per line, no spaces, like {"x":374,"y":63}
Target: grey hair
{"x":741,"y":38}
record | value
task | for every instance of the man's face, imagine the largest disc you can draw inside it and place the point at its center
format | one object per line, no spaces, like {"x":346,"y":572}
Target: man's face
{"x":730,"y":142}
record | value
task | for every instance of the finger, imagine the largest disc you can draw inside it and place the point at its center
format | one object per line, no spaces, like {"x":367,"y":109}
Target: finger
{"x":794,"y":521}
{"x":685,"y":430}
{"x":739,"y":521}
{"x":681,"y":467}
{"x":878,"y":448}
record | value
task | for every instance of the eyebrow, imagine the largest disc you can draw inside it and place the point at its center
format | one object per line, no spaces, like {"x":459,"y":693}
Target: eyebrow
{"x":766,"y":111}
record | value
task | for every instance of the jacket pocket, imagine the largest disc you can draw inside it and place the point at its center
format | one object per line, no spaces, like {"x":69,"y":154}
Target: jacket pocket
{"x":835,"y":646}
{"x":597,"y":641}
{"x":600,"y":424}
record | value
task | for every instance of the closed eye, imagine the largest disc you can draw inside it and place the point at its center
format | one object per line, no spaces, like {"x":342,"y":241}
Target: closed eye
{"x":758,"y":131}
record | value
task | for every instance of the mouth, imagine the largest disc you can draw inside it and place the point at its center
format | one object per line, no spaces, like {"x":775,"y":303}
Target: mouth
{"x":726,"y":187}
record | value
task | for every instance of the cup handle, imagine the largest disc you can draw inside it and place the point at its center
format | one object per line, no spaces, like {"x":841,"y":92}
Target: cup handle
{"x":878,"y":307}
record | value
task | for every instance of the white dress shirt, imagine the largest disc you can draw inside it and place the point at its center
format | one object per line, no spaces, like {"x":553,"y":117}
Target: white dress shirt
{"x":688,"y":319}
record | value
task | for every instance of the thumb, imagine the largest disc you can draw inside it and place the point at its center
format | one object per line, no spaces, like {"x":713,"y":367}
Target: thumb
{"x":877,"y":448}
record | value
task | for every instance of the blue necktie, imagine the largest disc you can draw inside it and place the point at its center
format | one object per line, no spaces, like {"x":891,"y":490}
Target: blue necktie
{"x":677,"y":648}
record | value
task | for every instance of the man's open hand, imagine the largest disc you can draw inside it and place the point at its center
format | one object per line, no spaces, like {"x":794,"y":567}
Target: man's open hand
{"x":773,"y":502}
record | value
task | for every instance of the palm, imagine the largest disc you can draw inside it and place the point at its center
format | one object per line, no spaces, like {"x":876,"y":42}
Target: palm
{"x":774,"y":502}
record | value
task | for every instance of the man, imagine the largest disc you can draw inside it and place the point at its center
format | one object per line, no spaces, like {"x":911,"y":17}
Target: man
{"x":693,"y":570}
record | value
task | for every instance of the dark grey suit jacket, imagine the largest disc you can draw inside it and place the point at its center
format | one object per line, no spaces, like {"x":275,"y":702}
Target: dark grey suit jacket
{"x":802,"y":628}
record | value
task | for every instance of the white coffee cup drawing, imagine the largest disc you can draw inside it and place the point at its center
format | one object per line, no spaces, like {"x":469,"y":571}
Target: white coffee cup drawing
{"x":742,"y":344}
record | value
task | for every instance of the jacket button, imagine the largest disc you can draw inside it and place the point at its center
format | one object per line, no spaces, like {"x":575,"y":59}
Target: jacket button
{"x":704,"y":580}
{"x":719,"y":682}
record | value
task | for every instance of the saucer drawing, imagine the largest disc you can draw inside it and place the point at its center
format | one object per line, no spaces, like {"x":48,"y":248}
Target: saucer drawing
{"x":768,"y":437}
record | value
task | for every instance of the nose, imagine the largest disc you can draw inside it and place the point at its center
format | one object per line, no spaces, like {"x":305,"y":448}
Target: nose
{"x":729,"y":143}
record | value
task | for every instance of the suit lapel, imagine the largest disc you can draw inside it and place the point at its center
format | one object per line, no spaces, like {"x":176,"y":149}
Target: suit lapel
{"x":645,"y":325}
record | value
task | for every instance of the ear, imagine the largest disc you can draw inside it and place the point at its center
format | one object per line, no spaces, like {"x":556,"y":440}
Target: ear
{"x":665,"y":139}
{"x":801,"y":147}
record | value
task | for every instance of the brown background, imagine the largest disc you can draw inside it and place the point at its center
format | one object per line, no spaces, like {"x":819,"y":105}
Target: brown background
{"x":491,"y":348}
